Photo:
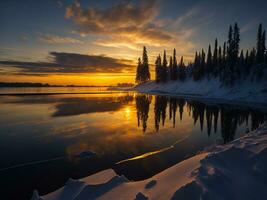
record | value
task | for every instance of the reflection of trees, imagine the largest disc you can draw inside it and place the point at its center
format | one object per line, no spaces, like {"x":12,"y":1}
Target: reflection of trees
{"x":160,"y":110}
{"x":198,"y":110}
{"x":172,"y":110}
{"x":256,"y":119}
{"x":181,"y":103}
{"x":228,"y":124}
{"x":142,"y":108}
{"x":231,"y":117}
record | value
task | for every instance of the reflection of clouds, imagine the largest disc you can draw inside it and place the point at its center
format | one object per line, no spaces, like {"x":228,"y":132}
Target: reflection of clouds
{"x":69,"y":106}
{"x":109,"y":135}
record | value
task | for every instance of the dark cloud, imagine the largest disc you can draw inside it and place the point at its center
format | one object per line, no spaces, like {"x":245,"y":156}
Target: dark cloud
{"x":70,"y":63}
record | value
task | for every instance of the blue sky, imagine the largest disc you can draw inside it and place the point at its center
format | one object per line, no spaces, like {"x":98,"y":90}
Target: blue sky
{"x":118,"y":29}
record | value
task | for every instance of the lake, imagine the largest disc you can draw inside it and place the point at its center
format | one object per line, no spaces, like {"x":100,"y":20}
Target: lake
{"x":138,"y":135}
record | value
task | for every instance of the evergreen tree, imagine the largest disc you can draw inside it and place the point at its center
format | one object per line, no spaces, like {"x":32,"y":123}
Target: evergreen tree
{"x":171,"y":69}
{"x":241,"y":65}
{"x":202,"y":63}
{"x":145,"y":66}
{"x":215,"y":58}
{"x":258,"y":69}
{"x":182,"y":70}
{"x":158,"y":69}
{"x":252,"y":58}
{"x":220,"y":61}
{"x":260,"y":53}
{"x":263,"y":43}
{"x":164,"y":68}
{"x":197,"y":67}
{"x":230,"y":44}
{"x":232,"y":55}
{"x":209,"y":62}
{"x":224,"y":53}
{"x":247,"y":66}
{"x":236,"y":42}
{"x":174,"y":65}
{"x":138,"y":71}
{"x":235,"y":74}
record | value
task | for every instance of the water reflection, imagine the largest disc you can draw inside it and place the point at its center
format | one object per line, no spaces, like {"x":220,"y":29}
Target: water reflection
{"x":66,"y":105}
{"x":90,"y":105}
{"x":142,"y":109}
{"x":230,"y":116}
{"x":155,"y":132}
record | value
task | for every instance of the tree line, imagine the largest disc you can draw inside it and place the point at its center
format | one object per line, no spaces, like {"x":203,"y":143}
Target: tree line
{"x":226,"y":62}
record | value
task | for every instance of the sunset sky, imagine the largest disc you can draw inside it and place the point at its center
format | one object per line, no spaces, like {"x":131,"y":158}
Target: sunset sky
{"x":87,"y":42}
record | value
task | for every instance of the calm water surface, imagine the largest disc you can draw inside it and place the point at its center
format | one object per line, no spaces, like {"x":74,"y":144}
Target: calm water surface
{"x":38,"y":90}
{"x":135,"y":134}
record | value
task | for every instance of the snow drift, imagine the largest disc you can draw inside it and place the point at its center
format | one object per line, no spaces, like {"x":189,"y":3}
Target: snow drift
{"x":243,"y":91}
{"x":237,"y":170}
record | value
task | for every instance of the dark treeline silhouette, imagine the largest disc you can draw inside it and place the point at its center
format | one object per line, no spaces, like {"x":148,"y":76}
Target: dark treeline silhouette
{"x":225,"y":62}
{"x":142,"y":71}
{"x":230,"y":117}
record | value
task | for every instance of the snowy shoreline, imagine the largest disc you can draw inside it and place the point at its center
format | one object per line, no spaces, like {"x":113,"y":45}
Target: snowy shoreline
{"x":243,"y":93}
{"x":236,"y":170}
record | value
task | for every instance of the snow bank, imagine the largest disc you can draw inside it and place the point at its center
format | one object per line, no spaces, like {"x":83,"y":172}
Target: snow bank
{"x":245,"y":91}
{"x":237,"y":170}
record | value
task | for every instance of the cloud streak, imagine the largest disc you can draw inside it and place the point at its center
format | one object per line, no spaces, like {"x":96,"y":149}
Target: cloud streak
{"x":62,"y":62}
{"x":55,"y":39}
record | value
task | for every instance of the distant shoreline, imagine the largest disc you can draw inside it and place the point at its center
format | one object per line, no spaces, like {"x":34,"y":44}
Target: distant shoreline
{"x":7,"y":85}
{"x":60,"y":93}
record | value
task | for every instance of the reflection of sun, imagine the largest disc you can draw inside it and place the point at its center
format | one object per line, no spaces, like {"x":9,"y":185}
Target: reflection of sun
{"x":127,"y":112}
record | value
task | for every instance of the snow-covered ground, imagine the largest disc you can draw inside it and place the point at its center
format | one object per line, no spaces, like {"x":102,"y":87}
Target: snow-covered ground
{"x":237,"y":170}
{"x":244,"y":91}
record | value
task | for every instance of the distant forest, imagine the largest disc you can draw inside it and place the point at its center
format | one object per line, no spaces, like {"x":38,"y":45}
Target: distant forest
{"x":227,"y":62}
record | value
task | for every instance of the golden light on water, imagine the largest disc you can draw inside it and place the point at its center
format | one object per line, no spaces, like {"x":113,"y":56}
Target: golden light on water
{"x":127,"y":112}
